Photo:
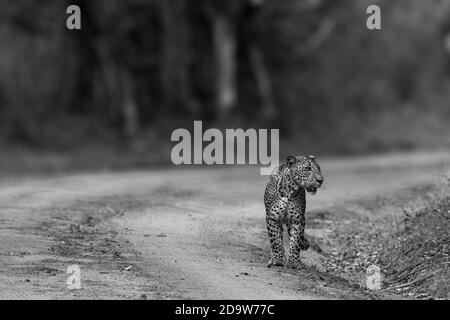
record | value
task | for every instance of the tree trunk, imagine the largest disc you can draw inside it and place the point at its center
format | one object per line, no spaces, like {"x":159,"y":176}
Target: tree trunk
{"x":263,"y":83}
{"x":447,"y":42}
{"x":225,"y":57}
{"x":175,"y":54}
{"x":120,"y":90}
{"x":129,"y":108}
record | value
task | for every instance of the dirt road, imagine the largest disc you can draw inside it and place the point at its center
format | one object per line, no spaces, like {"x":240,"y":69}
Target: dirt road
{"x":179,"y":233}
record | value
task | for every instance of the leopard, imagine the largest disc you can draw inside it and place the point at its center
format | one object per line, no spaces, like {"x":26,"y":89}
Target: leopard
{"x":285,"y":204}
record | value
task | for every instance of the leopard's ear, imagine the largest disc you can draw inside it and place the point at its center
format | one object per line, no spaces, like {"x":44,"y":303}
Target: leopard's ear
{"x":290,"y":160}
{"x":311,"y":157}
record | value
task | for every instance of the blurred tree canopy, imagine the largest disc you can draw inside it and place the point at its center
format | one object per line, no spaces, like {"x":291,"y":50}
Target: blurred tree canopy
{"x":307,"y":66}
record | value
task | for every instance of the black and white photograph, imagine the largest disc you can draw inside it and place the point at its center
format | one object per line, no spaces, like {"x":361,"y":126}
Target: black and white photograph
{"x":223,"y":155}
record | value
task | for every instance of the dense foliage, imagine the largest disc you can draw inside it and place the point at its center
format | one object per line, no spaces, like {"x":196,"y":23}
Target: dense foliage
{"x":308,"y":67}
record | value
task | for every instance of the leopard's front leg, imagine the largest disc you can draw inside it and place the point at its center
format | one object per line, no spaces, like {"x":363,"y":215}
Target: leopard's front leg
{"x":298,"y":242}
{"x":275,"y":231}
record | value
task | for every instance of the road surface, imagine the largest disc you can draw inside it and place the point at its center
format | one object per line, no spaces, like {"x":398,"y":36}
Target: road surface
{"x":184,"y":233}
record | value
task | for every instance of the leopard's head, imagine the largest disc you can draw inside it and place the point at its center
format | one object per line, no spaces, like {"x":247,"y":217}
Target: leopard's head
{"x":305,"y":171}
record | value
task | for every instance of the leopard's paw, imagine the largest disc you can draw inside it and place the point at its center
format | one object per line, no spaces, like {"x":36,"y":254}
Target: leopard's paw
{"x":293,"y":264}
{"x":275,"y":262}
{"x":304,"y":243}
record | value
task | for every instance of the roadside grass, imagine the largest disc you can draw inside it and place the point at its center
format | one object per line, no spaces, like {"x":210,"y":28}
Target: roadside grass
{"x":416,"y":257}
{"x":405,"y":234}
